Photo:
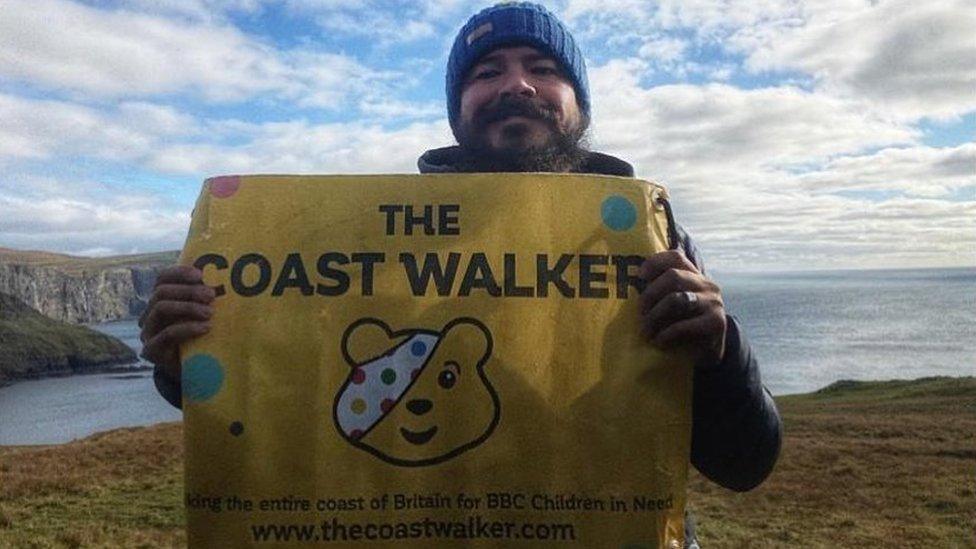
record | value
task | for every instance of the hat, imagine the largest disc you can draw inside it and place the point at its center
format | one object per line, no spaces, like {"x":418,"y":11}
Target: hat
{"x":511,"y":24}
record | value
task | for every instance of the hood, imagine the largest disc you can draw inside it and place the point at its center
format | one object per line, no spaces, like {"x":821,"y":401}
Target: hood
{"x":444,"y":160}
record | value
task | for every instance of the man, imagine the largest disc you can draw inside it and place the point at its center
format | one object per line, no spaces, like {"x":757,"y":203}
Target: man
{"x":518,"y":100}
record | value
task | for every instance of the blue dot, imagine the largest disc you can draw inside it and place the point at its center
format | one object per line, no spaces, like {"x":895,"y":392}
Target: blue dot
{"x":618,"y":213}
{"x":202,"y":377}
{"x":418,"y":348}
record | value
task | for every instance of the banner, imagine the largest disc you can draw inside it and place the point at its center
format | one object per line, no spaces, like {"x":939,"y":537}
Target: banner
{"x":431,"y":360}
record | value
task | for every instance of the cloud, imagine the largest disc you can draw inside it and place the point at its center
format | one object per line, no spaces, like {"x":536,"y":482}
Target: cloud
{"x":903,"y":59}
{"x":39,"y":129}
{"x":688,"y":132}
{"x":81,"y":216}
{"x":387,"y":24}
{"x":915,"y":171}
{"x":911,"y":60}
{"x":111,"y":54}
{"x":753,"y":173}
{"x":300,"y":147}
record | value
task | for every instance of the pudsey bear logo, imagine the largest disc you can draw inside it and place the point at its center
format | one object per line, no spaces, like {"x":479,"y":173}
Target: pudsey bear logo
{"x":416,"y":397}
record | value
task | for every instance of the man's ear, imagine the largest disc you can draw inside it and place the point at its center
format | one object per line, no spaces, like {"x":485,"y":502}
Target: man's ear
{"x":469,"y":338}
{"x":367,"y":339}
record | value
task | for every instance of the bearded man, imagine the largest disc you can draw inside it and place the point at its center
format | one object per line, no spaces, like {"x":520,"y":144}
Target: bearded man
{"x":518,"y":101}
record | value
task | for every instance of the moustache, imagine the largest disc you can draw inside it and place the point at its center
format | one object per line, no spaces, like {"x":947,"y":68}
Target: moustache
{"x":514,"y":107}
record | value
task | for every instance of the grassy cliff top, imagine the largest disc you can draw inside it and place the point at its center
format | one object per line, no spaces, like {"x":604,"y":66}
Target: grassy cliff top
{"x":864,"y":464}
{"x":32,"y":344}
{"x":76,"y":264}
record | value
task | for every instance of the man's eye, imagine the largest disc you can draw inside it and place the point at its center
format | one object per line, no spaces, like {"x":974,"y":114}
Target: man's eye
{"x":545,"y":70}
{"x":485,"y":74}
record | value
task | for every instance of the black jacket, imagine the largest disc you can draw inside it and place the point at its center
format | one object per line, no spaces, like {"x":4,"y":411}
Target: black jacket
{"x":736,"y":429}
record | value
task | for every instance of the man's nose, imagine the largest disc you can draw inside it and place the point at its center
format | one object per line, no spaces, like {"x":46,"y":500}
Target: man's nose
{"x":517,"y":82}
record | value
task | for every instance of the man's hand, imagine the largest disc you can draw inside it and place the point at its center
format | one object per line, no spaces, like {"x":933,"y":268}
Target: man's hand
{"x":179,"y":310}
{"x":681,"y":306}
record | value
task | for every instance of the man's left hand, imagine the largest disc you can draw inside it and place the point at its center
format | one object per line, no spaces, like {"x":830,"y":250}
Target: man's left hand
{"x":681,"y":306}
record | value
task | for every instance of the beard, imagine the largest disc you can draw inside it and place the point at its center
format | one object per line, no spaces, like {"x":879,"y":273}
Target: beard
{"x":562,"y":151}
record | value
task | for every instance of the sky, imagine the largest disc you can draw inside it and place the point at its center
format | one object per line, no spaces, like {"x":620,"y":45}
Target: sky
{"x":791,"y":134}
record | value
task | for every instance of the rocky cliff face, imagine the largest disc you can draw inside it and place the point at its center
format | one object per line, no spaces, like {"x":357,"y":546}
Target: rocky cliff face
{"x":94,"y":293}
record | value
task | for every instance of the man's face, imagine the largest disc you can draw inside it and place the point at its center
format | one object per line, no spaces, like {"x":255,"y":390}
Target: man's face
{"x":516,"y":99}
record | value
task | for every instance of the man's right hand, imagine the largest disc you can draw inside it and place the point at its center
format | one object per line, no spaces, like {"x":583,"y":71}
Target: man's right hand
{"x":178,"y":311}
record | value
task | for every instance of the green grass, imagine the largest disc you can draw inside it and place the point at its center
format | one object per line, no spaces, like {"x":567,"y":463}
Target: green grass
{"x":77,"y":265}
{"x":880,"y":464}
{"x":33,"y":344}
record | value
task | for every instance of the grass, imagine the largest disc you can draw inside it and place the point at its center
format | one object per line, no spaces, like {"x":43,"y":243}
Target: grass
{"x":76,"y":265}
{"x":879,"y":464}
{"x":34,"y":344}
{"x":122,"y":488}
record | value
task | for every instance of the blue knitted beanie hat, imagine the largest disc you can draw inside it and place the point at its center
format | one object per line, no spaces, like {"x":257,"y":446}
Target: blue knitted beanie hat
{"x":513,"y":24}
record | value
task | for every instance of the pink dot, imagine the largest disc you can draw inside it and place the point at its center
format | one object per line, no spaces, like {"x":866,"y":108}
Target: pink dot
{"x":224,"y":186}
{"x":356,"y":433}
{"x":358,"y":376}
{"x":386,"y":405}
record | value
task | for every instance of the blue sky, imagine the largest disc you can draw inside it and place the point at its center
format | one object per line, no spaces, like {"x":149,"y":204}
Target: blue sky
{"x":792,"y":135}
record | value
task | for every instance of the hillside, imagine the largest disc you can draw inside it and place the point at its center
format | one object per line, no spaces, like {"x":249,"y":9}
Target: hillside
{"x":76,"y":265}
{"x":82,"y":289}
{"x":32,"y":345}
{"x":878,"y":464}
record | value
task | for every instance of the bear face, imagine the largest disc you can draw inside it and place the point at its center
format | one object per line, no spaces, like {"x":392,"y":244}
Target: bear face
{"x":417,"y":397}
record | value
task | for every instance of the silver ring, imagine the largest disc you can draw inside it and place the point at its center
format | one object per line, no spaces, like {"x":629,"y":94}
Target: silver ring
{"x":690,"y":297}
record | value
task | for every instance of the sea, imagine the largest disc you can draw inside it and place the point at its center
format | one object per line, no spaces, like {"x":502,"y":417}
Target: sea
{"x":807,"y":330}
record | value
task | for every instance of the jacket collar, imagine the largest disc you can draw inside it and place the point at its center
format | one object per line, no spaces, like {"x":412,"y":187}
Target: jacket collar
{"x":444,"y":160}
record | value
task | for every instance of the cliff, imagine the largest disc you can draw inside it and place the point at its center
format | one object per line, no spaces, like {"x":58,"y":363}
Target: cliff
{"x":81,"y":289}
{"x":32,"y":345}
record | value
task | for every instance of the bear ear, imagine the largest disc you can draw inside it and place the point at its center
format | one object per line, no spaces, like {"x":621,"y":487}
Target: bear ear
{"x":366,"y":339}
{"x":469,"y":337}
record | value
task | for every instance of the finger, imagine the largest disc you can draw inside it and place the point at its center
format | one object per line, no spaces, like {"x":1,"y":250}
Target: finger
{"x":707,"y":327}
{"x":165,"y":313}
{"x":162,"y":347}
{"x":671,"y":281}
{"x":199,"y":293}
{"x":179,"y":274}
{"x":657,"y":263}
{"x":674,"y":307}
{"x":177,"y":292}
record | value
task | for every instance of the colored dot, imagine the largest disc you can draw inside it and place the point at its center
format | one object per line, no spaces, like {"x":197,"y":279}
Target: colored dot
{"x":358,"y":406}
{"x":356,"y":433}
{"x":203,"y":375}
{"x":386,"y":405}
{"x":418,"y":348}
{"x":388,"y":376}
{"x":358,"y":376}
{"x":224,"y":186}
{"x":618,"y":213}
{"x":236,"y":428}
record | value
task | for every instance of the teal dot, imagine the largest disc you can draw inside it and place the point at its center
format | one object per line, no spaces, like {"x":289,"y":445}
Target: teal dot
{"x":388,"y":376}
{"x":203,"y":376}
{"x":618,"y":213}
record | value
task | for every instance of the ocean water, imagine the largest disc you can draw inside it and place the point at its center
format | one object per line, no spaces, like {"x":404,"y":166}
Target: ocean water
{"x":811,"y":329}
{"x":60,"y":409}
{"x":807,"y":330}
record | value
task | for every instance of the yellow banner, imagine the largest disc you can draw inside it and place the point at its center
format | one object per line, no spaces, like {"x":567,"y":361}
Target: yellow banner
{"x":431,"y":360}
